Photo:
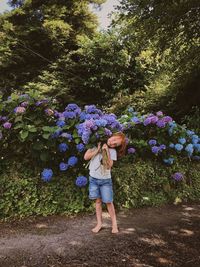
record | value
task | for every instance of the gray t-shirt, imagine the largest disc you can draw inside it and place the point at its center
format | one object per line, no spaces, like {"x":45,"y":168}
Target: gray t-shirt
{"x":96,"y":168}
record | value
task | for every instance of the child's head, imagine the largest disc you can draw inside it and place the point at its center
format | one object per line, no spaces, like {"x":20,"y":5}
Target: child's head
{"x":118,"y":141}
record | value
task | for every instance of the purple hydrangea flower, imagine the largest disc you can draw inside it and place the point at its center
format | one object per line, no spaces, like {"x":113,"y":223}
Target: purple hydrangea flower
{"x":147,"y":121}
{"x":177,"y":176}
{"x":167,"y":119}
{"x":162,"y":147}
{"x":24,"y":104}
{"x":49,"y":111}
{"x":107,"y":132}
{"x":155,"y":149}
{"x":131,"y":150}
{"x":159,"y":113}
{"x":154,"y":119}
{"x":152,"y":142}
{"x":161,"y":123}
{"x":40,"y":102}
{"x":19,"y":110}
{"x":7,"y":125}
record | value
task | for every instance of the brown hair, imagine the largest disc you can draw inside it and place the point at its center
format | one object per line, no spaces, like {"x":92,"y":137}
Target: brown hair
{"x":122,"y":148}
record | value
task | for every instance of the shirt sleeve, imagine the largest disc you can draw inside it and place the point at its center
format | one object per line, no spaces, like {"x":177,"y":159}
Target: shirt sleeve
{"x":113,"y":154}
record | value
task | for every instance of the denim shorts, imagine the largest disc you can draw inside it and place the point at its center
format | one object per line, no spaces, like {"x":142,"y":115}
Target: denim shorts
{"x":101,"y":188}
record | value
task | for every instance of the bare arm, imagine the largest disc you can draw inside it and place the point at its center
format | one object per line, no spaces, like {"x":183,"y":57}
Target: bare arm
{"x":92,"y":152}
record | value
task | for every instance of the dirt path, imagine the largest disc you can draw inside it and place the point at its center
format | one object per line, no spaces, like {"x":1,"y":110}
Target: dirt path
{"x":164,"y":236}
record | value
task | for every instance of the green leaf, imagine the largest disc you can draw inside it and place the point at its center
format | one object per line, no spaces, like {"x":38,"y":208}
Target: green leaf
{"x":77,"y":140}
{"x":18,"y":118}
{"x":32,"y":128}
{"x":19,"y":125}
{"x":14,"y":96}
{"x":23,"y":134}
{"x":38,"y":146}
{"x":44,"y":156}
{"x":46,"y":135}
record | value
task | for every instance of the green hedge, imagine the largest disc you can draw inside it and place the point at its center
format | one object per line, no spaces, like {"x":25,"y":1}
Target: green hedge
{"x":136,"y":184}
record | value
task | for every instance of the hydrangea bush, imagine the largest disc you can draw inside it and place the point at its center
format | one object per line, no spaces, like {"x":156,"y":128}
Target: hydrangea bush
{"x":56,"y":140}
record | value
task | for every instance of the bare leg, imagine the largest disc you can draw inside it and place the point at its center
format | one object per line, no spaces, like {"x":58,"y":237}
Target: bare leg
{"x":97,"y":228}
{"x":111,"y":210}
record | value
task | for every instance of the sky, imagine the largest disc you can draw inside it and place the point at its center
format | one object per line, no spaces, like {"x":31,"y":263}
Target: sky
{"x":102,"y":14}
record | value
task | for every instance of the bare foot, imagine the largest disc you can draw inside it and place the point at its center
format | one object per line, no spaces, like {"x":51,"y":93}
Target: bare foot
{"x":96,"y":229}
{"x":115,"y":230}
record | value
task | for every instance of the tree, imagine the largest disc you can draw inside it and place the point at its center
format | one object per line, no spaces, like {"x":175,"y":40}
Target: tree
{"x":36,"y":33}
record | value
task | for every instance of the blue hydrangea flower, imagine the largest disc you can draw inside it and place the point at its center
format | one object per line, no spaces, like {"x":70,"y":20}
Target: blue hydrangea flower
{"x":63,"y":166}
{"x":197,"y":147}
{"x":189,"y":148}
{"x":169,"y":161}
{"x":182,"y":140}
{"x":60,"y":123}
{"x":81,"y":181}
{"x":63,"y":147}
{"x":47,"y":175}
{"x":56,"y":134}
{"x":178,"y":147}
{"x":195,"y":139}
{"x":189,"y":133}
{"x":171,"y":145}
{"x":101,"y":122}
{"x":136,"y":120}
{"x":152,"y":142}
{"x":72,"y":161}
{"x":69,"y":114}
{"x":130,"y":109}
{"x":68,"y":136}
{"x":80,"y":147}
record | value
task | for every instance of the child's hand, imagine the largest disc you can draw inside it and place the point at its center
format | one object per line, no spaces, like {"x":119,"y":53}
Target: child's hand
{"x":105,"y":147}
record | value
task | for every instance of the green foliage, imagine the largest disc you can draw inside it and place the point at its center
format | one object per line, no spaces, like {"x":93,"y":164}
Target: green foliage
{"x":23,"y":194}
{"x":137,"y":183}
{"x":94,"y":73}
{"x":149,"y":183}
